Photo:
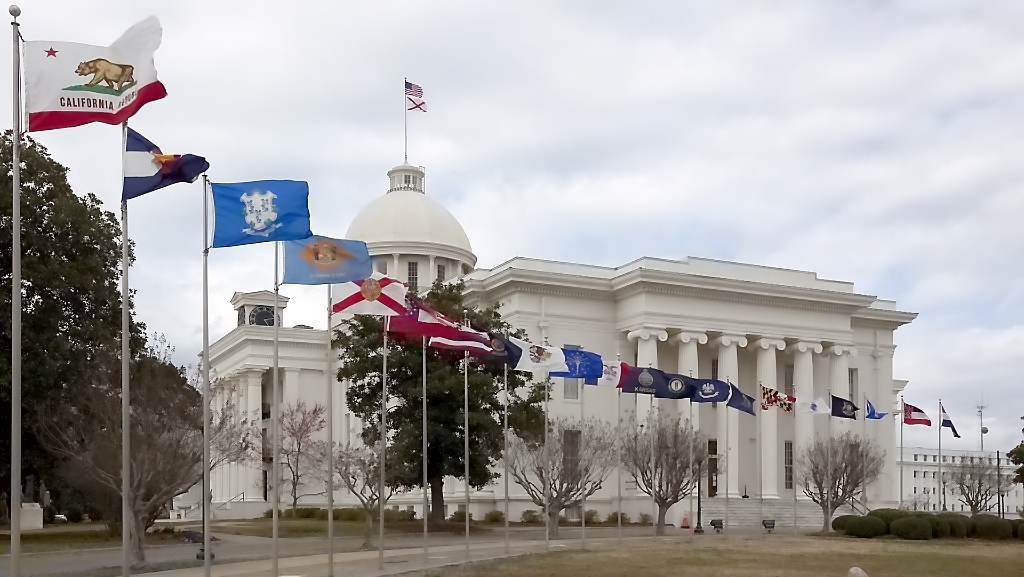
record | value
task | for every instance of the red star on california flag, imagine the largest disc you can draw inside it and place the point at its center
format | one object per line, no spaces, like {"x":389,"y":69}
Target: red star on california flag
{"x":51,"y":52}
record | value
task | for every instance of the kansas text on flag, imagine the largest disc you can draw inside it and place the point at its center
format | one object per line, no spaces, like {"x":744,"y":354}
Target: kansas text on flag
{"x":69,"y":84}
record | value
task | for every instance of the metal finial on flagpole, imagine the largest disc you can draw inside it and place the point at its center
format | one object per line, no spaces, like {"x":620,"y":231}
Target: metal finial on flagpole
{"x":14,"y":10}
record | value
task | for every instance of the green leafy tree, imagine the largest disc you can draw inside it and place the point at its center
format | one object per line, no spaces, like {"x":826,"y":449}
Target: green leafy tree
{"x":1016,"y":456}
{"x":71,"y":298}
{"x":360,"y":345}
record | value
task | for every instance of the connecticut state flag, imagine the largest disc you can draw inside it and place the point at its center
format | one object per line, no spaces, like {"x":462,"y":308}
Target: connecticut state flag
{"x":260,"y":211}
{"x":322,"y":260}
{"x":147,"y":169}
{"x":69,"y":84}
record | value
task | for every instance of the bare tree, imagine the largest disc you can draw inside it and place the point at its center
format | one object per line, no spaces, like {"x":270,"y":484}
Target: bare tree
{"x":166,"y":439}
{"x":833,"y":470}
{"x":303,"y":455}
{"x":977,"y":482}
{"x":359,"y":469}
{"x":921,"y":502}
{"x":579,"y":456}
{"x":679,"y":454}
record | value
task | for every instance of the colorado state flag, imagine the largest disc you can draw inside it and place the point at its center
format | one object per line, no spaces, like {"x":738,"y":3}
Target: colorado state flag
{"x":147,"y":169}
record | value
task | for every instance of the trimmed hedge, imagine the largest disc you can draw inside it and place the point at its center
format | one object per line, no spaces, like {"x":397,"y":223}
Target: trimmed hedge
{"x":913,"y":528}
{"x":865,"y":527}
{"x":1016,"y":527}
{"x":889,"y":515}
{"x":994,"y":528}
{"x":839,"y":523}
{"x":494,"y":517}
{"x":940,"y":526}
{"x":75,"y":513}
{"x":957,"y":527}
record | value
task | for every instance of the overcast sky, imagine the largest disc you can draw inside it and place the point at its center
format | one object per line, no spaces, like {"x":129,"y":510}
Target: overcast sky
{"x":878,"y":142}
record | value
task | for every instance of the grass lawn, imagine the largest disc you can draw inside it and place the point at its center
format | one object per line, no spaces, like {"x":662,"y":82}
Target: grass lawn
{"x":70,"y":536}
{"x":318,"y":528}
{"x":774,"y":556}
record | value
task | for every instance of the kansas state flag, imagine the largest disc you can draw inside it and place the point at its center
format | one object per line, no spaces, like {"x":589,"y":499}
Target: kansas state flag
{"x":322,"y":260}
{"x":260,"y":211}
{"x":147,"y":169}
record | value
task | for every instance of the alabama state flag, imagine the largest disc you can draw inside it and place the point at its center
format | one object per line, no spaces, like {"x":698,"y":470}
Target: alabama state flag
{"x":69,"y":84}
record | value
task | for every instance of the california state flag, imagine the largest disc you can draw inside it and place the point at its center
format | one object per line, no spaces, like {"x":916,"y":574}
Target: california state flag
{"x":69,"y":84}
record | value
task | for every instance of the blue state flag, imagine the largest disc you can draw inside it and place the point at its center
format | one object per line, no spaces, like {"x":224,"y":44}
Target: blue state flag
{"x":582,"y":365}
{"x":260,"y":211}
{"x":710,"y":391}
{"x":147,"y":169}
{"x":843,"y":408}
{"x":872,"y":413}
{"x":739,"y":400}
{"x":322,"y":260}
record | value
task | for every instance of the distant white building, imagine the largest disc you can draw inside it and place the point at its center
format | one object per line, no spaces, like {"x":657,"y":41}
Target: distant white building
{"x":923,"y":490}
{"x":753,"y":325}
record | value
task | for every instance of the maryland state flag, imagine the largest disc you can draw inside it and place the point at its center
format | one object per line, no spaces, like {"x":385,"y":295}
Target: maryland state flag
{"x":69,"y":84}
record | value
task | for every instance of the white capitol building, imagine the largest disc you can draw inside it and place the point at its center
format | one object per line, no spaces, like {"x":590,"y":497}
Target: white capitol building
{"x":786,"y":329}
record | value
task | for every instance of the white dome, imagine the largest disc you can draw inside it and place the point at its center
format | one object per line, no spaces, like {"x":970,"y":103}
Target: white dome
{"x":406,"y":215}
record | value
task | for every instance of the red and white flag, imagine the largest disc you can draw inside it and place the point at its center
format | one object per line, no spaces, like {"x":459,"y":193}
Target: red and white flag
{"x":415,"y":104}
{"x":464,"y":339}
{"x":770,"y":397}
{"x":914,"y":416}
{"x":69,"y":84}
{"x":422,"y":321}
{"x":377,"y":295}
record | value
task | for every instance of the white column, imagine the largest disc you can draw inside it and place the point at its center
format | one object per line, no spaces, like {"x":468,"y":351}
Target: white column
{"x":839,"y":380}
{"x":252,"y":381}
{"x":432,"y":275}
{"x":884,"y":433}
{"x":803,"y":383}
{"x":646,"y":356}
{"x":688,"y":365}
{"x":768,"y":430}
{"x":728,"y":368}
{"x":394,"y":273}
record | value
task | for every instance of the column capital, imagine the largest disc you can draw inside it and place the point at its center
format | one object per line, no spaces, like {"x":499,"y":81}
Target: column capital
{"x":647,"y":333}
{"x":769,"y":342}
{"x":729,"y":340}
{"x":805,"y":346}
{"x":689,"y":336}
{"x":884,"y":351}
{"x":840,"y":350}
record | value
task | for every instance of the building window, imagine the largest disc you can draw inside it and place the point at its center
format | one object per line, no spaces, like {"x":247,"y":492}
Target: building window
{"x":935,"y":458}
{"x":571,"y":452}
{"x":788,"y":464}
{"x":571,"y":387}
{"x":440,"y":272}
{"x":787,"y":380}
{"x":854,"y":389}
{"x":944,"y":458}
{"x":915,"y":474}
{"x":915,"y":456}
{"x":915,"y":490}
{"x":933,"y":474}
{"x":414,"y":275}
{"x":382,"y":266}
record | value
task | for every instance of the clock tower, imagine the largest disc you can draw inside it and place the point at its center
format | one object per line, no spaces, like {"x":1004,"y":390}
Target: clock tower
{"x":257,"y":308}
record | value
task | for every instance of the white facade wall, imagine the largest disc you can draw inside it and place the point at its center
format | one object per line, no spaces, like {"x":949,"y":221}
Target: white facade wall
{"x":922,"y":489}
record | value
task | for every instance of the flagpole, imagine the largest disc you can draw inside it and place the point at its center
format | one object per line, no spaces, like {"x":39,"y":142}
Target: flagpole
{"x":426,"y":502}
{"x":126,"y":455}
{"x":16,"y":303}
{"x":547,"y":463}
{"x":942,"y":501}
{"x":583,"y":503}
{"x":207,"y":554}
{"x":465,"y":424}
{"x":383,"y":443}
{"x":651,"y":417}
{"x":505,"y":459}
{"x":725,"y":409}
{"x":618,"y":448}
{"x":689,"y":461}
{"x":760,"y":463}
{"x":276,"y":422}
{"x":405,"y":141}
{"x":828,"y":468}
{"x":863,"y":465}
{"x":330,"y":440}
{"x":903,"y":419}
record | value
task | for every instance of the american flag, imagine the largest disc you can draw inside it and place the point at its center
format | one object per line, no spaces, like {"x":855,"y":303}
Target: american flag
{"x":413,"y":89}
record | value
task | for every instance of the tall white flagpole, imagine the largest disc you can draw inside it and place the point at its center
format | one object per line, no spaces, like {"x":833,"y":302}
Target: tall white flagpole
{"x":583,"y":503}
{"x":207,"y":554}
{"x":16,"y":304}
{"x":725,"y":409}
{"x":276,"y":422}
{"x":828,"y":469}
{"x":760,"y":464}
{"x":330,"y":440}
{"x":405,"y":125}
{"x":547,"y":462}
{"x":863,"y":465}
{"x":903,"y":419}
{"x":426,"y":502}
{"x":618,"y":448}
{"x":653,"y":426}
{"x":465,"y":433}
{"x":942,"y":501}
{"x":126,"y":337}
{"x":383,"y":443}
{"x":505,"y":459}
{"x":689,"y":461}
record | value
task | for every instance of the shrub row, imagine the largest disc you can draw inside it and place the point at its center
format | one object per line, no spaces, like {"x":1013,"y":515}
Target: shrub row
{"x":921,"y":525}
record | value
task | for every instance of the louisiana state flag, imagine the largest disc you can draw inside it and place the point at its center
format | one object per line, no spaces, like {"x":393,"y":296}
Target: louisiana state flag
{"x":147,"y":169}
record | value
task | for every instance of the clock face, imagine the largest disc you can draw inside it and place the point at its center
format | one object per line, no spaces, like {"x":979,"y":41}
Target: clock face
{"x":261,"y":315}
